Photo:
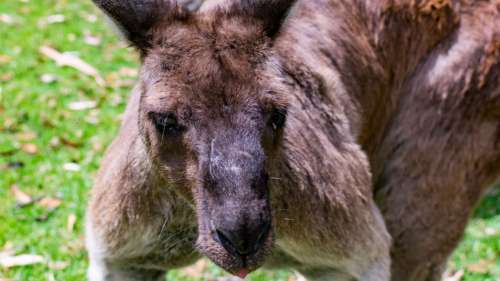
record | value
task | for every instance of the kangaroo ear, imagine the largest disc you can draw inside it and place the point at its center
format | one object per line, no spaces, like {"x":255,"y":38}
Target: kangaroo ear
{"x":135,"y":18}
{"x":271,"y":12}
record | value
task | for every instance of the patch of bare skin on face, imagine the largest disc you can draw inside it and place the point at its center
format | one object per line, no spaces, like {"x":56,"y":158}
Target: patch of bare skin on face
{"x":235,"y":169}
{"x":244,"y":153}
{"x":212,"y":159}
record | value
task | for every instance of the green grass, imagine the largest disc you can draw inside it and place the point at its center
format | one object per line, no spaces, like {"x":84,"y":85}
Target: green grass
{"x":34,"y":112}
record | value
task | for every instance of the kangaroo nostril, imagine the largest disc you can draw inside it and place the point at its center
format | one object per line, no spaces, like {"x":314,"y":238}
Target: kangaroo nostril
{"x":225,"y":241}
{"x":242,"y":243}
{"x":234,"y":244}
{"x":262,"y":236}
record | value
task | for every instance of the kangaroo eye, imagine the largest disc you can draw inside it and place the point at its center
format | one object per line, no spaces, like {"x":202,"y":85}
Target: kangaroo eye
{"x":167,"y":124}
{"x":278,"y":119}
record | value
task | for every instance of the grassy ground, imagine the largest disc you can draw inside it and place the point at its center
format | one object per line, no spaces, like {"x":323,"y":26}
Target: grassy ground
{"x":50,"y":149}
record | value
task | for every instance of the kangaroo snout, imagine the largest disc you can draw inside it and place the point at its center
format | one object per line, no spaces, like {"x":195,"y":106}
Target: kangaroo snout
{"x":243,"y":238}
{"x":240,"y":218}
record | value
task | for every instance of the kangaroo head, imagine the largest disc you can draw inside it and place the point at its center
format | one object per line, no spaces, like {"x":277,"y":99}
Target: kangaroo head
{"x":212,"y":112}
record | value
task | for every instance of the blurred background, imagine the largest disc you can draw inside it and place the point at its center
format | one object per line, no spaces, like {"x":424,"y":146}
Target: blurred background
{"x":64,"y":80}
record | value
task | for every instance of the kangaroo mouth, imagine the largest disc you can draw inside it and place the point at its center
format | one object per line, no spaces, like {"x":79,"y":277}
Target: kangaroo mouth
{"x":242,"y":273}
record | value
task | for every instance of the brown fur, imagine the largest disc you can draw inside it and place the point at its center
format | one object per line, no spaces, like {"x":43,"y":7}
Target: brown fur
{"x":400,"y":99}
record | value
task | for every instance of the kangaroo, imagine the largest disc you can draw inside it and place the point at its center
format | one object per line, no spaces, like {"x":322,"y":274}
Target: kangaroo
{"x":348,"y":140}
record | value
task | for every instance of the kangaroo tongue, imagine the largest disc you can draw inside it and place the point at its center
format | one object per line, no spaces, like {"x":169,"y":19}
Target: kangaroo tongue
{"x":242,"y":273}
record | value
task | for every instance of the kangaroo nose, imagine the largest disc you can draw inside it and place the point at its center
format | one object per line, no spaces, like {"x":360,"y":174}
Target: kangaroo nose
{"x":244,"y":241}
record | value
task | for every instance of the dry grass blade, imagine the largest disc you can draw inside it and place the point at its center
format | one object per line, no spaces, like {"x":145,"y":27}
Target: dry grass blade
{"x":196,"y":270}
{"x":7,"y":19}
{"x":71,"y":167}
{"x":26,"y":136}
{"x":65,"y":59}
{"x":58,"y":265}
{"x":297,"y":277}
{"x":49,"y":203}
{"x":21,"y":260}
{"x":4,"y":59}
{"x":82,"y":105}
{"x":71,"y":222}
{"x":22,"y":198}
{"x":482,"y":266}
{"x":457,"y":276}
{"x":30,"y":148}
{"x":8,"y":250}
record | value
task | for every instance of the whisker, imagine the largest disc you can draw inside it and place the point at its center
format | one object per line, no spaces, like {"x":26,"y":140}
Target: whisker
{"x":162,"y":134}
{"x":162,"y":228}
